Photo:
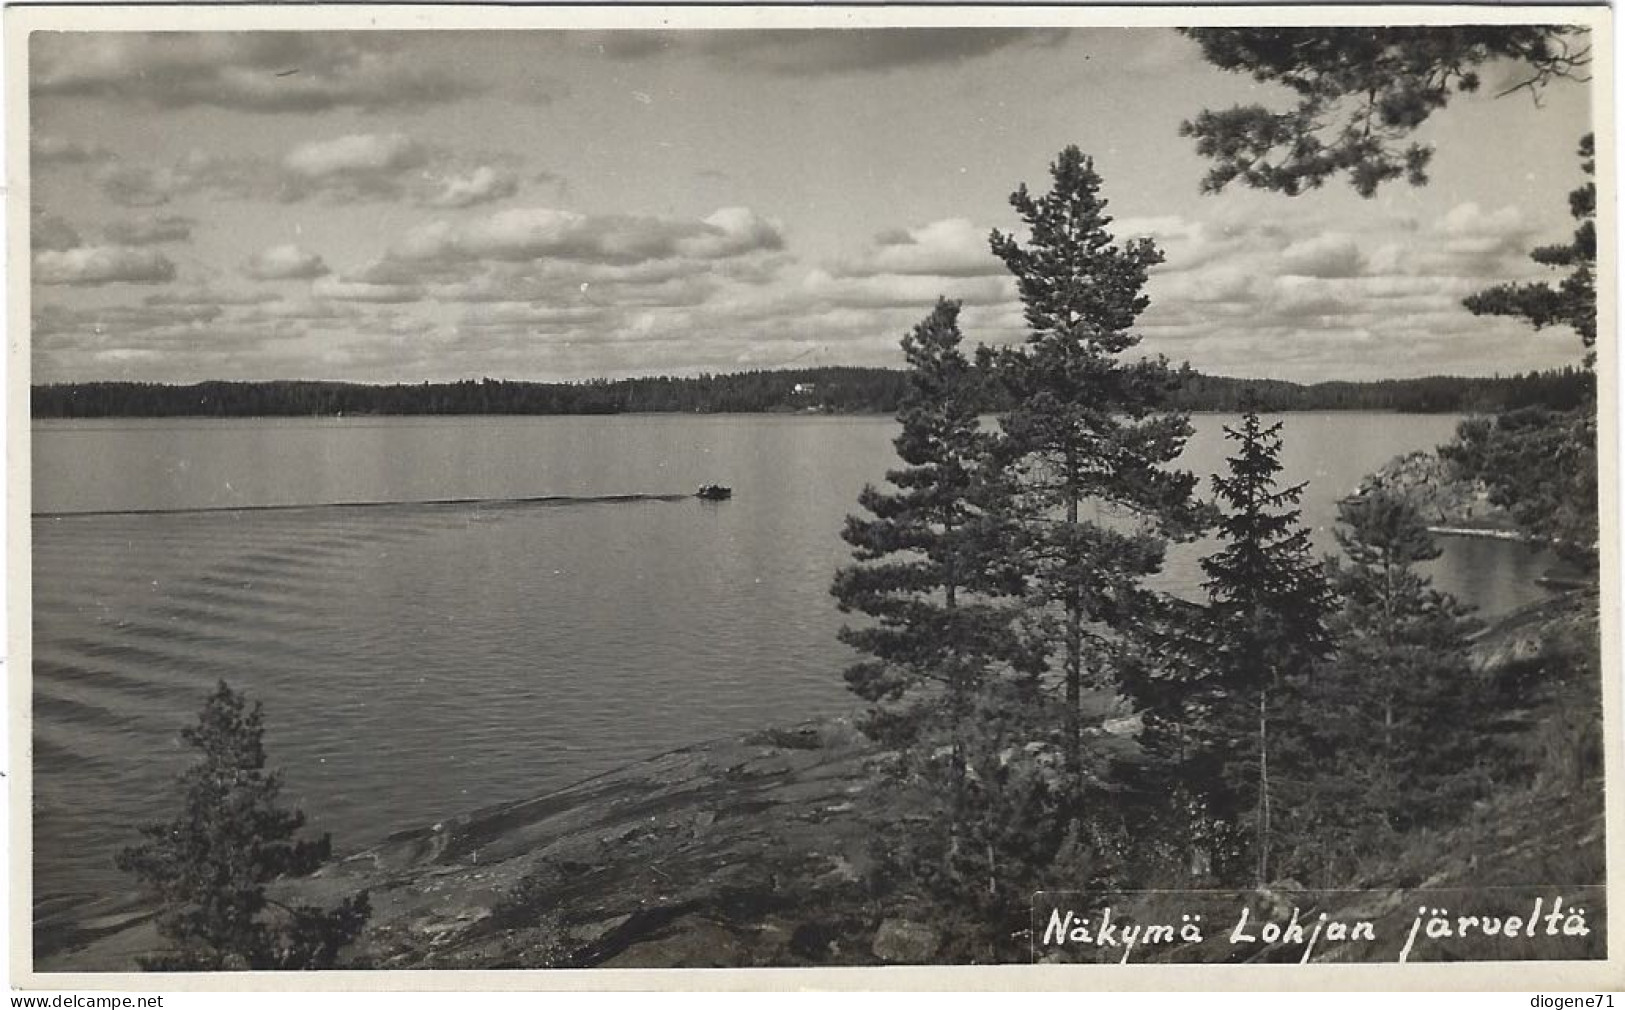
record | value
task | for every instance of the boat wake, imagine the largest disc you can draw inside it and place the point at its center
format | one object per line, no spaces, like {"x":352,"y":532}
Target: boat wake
{"x":605,"y":499}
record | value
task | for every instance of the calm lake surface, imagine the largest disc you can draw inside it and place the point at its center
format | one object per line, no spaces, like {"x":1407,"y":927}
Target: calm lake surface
{"x":416,"y":662}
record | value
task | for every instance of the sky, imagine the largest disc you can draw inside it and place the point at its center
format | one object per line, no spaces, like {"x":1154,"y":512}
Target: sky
{"x":563,"y":205}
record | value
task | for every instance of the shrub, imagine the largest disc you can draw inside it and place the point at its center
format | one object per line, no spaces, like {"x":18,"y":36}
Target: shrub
{"x":211,"y":862}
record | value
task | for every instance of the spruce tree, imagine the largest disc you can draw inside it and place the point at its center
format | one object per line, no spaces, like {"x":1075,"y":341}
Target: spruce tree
{"x":210,"y":864}
{"x":1269,"y":603}
{"x":1407,"y":720}
{"x":931,"y":566}
{"x":1082,"y":434}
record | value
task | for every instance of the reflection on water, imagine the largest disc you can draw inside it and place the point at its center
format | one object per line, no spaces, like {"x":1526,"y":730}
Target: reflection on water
{"x":419,"y":661}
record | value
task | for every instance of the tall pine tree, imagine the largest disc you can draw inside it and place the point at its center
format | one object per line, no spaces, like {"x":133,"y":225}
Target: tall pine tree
{"x":1082,"y":433}
{"x":932,"y":567}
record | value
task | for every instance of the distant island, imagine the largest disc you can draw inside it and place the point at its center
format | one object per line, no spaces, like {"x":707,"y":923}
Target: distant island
{"x":835,"y":390}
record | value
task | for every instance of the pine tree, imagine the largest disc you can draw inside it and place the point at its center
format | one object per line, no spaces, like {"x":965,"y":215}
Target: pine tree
{"x":1269,"y":605}
{"x":1407,"y":720}
{"x":1541,"y":464}
{"x":1360,"y":93}
{"x":1573,"y":302}
{"x":1082,"y":431}
{"x":931,"y":567}
{"x":210,"y":864}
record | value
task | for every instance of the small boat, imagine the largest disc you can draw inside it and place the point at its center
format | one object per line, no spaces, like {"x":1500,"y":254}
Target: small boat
{"x":714,"y":492}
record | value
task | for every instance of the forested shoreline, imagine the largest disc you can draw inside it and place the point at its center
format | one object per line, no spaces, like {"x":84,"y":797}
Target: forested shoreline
{"x":840,"y":390}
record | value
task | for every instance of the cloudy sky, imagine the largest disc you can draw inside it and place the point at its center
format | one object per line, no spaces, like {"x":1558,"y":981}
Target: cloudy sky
{"x":391,"y":206}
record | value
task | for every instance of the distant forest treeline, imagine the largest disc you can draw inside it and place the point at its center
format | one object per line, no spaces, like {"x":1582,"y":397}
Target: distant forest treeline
{"x":833,"y":390}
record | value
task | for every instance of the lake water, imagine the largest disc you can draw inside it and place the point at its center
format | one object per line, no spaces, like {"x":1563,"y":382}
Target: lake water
{"x":420,"y":661}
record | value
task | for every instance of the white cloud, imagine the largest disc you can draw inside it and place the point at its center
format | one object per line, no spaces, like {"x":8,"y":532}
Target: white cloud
{"x":348,"y":168}
{"x":205,"y":295}
{"x":802,"y":53}
{"x":249,"y":71}
{"x":303,"y":310}
{"x":1480,"y":236}
{"x":284,"y":262}
{"x":1293,"y":298}
{"x":919,"y":292}
{"x":1468,"y":241}
{"x":196,"y":172}
{"x":347,"y":290}
{"x":89,"y":265}
{"x":540,"y":233}
{"x":359,"y":155}
{"x":504,"y":314}
{"x":159,"y":230}
{"x":954,"y":247}
{"x":360,"y":166}
{"x":481,"y":184}
{"x":1472,"y":221}
{"x":1330,"y":255}
{"x":731,"y":231}
{"x":133,"y":186}
{"x":1218,"y":285}
{"x":49,"y":150}
{"x":118,"y":320}
{"x":488,"y":287}
{"x":1185,"y":244}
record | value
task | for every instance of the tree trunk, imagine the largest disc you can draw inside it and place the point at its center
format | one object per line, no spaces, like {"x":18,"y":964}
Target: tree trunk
{"x":1074,"y":645}
{"x":958,"y":705}
{"x":1390,"y":639}
{"x":1263,"y":787}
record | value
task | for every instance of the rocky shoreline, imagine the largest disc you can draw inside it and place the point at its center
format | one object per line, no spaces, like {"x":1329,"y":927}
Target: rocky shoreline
{"x":742,"y":852}
{"x":1453,"y":507}
{"x":678,"y":860}
{"x":1450,"y":506}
